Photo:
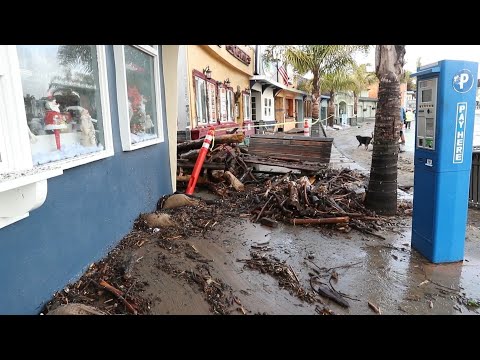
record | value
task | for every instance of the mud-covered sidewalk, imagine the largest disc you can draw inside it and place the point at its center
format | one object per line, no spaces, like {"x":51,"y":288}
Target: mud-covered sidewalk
{"x":220,"y":262}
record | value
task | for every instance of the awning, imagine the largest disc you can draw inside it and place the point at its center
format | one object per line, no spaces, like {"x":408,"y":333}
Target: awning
{"x":277,"y":87}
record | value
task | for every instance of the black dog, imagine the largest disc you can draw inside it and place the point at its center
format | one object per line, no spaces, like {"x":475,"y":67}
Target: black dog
{"x":364,"y":140}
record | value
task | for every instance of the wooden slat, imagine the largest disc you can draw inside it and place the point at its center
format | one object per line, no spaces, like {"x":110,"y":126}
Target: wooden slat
{"x":291,"y":137}
{"x":295,"y":148}
{"x":286,"y":164}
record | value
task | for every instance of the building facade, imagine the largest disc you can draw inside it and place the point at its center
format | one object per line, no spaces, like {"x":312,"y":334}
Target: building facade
{"x":214,"y":88}
{"x":87,"y":137}
{"x":279,"y":103}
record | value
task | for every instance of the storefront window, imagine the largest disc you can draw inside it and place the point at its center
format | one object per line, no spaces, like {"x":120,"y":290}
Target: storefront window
{"x":254,"y":109}
{"x":201,"y":100}
{"x":246,"y":107}
{"x":138,"y":92}
{"x":230,"y":104}
{"x":223,"y":104}
{"x":63,"y":102}
{"x":268,"y":107}
{"x":141,"y":94}
{"x":212,"y":102}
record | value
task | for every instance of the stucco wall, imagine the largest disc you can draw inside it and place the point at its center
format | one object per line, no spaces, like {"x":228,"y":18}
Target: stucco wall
{"x":87,"y":211}
{"x":223,"y":65}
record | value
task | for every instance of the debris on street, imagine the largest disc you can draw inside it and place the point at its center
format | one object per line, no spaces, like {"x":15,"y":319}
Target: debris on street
{"x":283,"y":272}
{"x":375,"y":308}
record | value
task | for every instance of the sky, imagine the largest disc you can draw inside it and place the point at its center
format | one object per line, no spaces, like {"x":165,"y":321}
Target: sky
{"x":429,"y":54}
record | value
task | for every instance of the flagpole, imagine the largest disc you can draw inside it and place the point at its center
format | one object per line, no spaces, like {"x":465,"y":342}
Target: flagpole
{"x":277,"y":69}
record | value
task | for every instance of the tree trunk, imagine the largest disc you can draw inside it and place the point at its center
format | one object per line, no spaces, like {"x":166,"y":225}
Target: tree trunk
{"x":355,"y":103}
{"x":316,"y":95}
{"x":331,"y":109}
{"x":381,"y":195}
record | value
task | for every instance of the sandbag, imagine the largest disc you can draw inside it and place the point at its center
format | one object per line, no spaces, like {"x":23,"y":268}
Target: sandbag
{"x":154,"y":220}
{"x":178,"y":200}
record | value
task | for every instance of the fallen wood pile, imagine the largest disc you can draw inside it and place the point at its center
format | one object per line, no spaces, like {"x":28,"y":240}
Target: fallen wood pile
{"x":223,"y":166}
{"x":330,"y":197}
{"x":231,"y":165}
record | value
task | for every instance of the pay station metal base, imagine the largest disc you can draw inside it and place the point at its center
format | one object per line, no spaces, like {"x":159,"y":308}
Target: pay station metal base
{"x":427,"y":249}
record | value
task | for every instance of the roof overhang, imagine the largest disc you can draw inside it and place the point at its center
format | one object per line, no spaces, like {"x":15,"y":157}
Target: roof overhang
{"x":268,"y":83}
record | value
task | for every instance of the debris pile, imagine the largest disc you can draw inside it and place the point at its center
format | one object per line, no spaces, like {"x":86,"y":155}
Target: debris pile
{"x":330,"y":197}
{"x":287,"y":278}
{"x":224,"y":164}
{"x":108,"y":284}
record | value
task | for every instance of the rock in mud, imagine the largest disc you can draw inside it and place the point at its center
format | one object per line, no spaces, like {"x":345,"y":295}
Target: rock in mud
{"x":178,"y":200}
{"x":155,"y":220}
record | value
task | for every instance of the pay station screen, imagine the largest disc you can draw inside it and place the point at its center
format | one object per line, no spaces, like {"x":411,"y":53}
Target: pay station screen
{"x":427,"y":113}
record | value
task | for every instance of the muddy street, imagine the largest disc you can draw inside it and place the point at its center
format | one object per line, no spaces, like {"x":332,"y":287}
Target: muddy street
{"x":347,"y":144}
{"x":207,"y":274}
{"x":241,"y":252}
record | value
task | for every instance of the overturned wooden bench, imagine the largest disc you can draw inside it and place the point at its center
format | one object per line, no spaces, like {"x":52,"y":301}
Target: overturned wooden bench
{"x":298,"y":152}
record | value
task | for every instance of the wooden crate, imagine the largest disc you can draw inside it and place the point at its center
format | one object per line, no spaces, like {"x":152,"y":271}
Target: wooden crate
{"x":291,"y":148}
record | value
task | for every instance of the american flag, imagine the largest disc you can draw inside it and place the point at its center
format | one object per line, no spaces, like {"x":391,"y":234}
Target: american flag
{"x":283,"y":72}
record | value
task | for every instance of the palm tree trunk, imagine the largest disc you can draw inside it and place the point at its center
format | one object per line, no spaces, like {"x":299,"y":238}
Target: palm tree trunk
{"x":355,"y":103}
{"x":316,"y":97}
{"x":381,"y":195}
{"x":331,"y":109}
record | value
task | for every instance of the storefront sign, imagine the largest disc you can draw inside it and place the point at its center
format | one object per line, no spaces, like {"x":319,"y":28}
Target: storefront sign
{"x":459,"y":144}
{"x":239,"y":54}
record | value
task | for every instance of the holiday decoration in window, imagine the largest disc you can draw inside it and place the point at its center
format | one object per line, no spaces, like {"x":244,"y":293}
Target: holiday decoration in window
{"x":62,"y":99}
{"x":139,"y":69}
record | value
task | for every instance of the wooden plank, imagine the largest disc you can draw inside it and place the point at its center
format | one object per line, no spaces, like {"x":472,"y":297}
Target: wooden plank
{"x":190,"y":164}
{"x":285,"y":164}
{"x":298,"y":158}
{"x":293,"y":152}
{"x":291,"y":149}
{"x":291,"y":137}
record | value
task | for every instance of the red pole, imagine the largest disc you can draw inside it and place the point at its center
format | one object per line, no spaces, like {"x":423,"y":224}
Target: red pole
{"x":200,"y":160}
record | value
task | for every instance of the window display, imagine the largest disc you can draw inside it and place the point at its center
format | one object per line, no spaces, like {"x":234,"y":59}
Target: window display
{"x":137,"y":69}
{"x":246,"y":107}
{"x":201,"y":100}
{"x":62,"y":99}
{"x":230,"y":104}
{"x":223,"y":104}
{"x":212,"y":102}
{"x":141,"y":94}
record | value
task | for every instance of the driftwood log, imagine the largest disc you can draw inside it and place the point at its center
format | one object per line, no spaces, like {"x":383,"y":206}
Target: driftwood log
{"x":232,"y":180}
{"x":222,"y":139}
{"x":333,"y":220}
{"x":186,"y":178}
{"x":192,"y":154}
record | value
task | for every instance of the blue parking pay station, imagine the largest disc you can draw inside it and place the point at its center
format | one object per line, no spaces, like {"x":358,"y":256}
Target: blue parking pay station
{"x":443,"y":157}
